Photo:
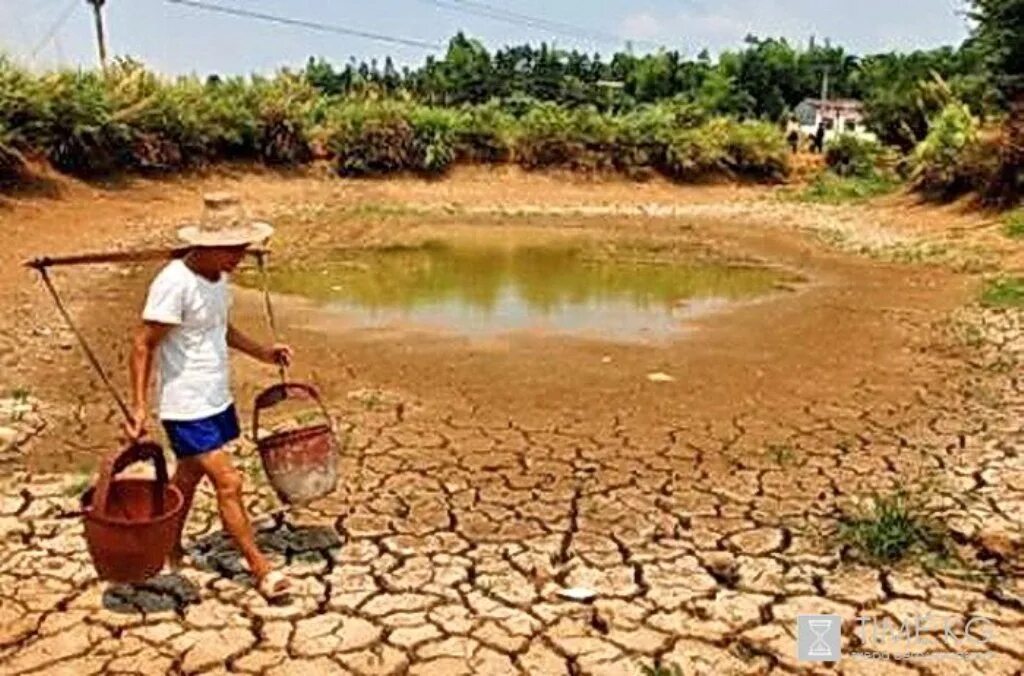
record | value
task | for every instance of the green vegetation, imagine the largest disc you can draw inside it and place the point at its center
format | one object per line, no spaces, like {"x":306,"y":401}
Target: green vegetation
{"x":687,"y":119}
{"x":849,"y":155}
{"x":894,"y":528}
{"x":1013,"y":224}
{"x":828,"y":188}
{"x":781,"y":454}
{"x":661,"y":670}
{"x":1006,"y":292}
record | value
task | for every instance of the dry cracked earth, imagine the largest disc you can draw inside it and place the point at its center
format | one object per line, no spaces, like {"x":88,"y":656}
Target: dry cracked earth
{"x":453,"y":538}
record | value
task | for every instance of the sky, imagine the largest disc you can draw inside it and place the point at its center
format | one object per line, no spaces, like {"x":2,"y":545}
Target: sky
{"x":177,"y":39}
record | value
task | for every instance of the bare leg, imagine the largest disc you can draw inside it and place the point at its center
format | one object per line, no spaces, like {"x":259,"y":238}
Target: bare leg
{"x":228,"y":483}
{"x":187,"y":476}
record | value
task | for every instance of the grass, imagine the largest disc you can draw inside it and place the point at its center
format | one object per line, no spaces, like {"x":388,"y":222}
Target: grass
{"x":896,"y":527}
{"x":829,"y":188}
{"x":782,"y":454}
{"x":661,"y":670}
{"x":1013,"y":224}
{"x":1005,"y":292}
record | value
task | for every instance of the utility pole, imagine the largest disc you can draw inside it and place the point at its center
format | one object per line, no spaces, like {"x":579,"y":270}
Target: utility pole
{"x":101,"y":43}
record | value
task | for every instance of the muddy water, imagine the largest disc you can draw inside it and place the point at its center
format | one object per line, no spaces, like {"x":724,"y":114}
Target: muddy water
{"x":474,"y":289}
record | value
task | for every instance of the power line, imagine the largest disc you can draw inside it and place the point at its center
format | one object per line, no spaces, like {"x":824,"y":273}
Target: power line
{"x":312,"y":25}
{"x":518,"y":19}
{"x":61,"y":20}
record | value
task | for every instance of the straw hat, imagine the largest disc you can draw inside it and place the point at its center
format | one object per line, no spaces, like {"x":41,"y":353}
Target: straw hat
{"x":224,"y":223}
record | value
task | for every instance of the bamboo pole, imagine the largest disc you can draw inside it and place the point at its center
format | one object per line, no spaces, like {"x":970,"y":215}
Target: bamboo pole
{"x":139,"y":256}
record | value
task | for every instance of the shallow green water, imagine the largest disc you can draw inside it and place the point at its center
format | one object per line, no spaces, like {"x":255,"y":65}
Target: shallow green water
{"x":477,"y":289}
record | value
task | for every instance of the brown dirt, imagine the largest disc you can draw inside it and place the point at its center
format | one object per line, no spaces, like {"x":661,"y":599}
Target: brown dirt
{"x":843,"y":337}
{"x":483,"y":478}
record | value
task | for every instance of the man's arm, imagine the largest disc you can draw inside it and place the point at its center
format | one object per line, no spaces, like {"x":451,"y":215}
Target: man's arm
{"x":144,"y":345}
{"x":277,"y":353}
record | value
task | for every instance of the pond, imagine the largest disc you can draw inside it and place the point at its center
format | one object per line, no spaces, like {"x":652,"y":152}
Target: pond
{"x":476,"y":289}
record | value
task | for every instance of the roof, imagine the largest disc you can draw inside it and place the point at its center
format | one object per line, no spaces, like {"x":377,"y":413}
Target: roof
{"x":845,"y":104}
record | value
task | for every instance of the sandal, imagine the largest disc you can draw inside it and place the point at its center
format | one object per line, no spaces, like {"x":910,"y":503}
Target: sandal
{"x":274,"y":585}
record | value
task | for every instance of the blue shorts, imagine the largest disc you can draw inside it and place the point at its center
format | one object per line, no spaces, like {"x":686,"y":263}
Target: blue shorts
{"x":190,"y":438}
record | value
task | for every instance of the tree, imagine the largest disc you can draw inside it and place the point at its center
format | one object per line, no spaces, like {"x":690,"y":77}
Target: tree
{"x":999,"y":31}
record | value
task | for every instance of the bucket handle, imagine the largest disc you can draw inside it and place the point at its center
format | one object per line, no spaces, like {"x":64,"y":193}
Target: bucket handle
{"x":115,"y":463}
{"x":275,"y":394}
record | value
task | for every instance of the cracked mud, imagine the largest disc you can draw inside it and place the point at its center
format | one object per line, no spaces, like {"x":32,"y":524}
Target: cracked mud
{"x":481,"y":479}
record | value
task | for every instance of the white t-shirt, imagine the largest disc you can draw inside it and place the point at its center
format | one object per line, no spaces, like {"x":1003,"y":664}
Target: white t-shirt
{"x":192,"y":370}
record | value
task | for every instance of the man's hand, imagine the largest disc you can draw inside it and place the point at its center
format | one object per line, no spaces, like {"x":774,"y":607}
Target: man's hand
{"x":136,"y":429}
{"x":278,"y":353}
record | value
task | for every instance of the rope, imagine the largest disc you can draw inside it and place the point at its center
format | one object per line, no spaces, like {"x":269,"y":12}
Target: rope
{"x":90,"y":355}
{"x":268,"y":310}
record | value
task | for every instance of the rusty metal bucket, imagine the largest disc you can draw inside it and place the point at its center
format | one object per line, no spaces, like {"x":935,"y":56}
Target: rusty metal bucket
{"x":301,"y":463}
{"x":131,"y":524}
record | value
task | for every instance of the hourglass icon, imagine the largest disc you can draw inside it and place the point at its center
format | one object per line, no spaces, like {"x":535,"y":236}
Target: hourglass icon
{"x":819,"y":646}
{"x":818,"y":637}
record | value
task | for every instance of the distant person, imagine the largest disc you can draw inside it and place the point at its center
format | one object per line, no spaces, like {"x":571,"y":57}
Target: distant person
{"x":819,"y":138}
{"x":794,"y":140}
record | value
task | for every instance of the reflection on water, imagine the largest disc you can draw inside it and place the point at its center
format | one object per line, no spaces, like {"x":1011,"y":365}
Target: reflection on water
{"x":476,"y":289}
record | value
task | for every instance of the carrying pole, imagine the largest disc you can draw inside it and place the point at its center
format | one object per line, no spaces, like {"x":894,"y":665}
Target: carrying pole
{"x":268,"y":309}
{"x":140,"y":256}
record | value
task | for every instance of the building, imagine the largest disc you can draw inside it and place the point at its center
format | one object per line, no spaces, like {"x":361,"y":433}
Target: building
{"x":840,"y":116}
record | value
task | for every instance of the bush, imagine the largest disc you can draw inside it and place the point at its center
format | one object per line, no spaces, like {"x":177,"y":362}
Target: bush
{"x":369,"y":138}
{"x":484,"y":134}
{"x":850,"y":155}
{"x":285,"y":109}
{"x":693,"y":154}
{"x":945,"y":163}
{"x":727,"y":147}
{"x":93,"y":122}
{"x":434,"y":139}
{"x":756,"y":150}
{"x":12,"y":164}
{"x":551,"y":135}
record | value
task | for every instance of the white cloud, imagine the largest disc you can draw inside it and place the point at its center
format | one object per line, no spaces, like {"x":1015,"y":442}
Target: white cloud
{"x":863,"y":26}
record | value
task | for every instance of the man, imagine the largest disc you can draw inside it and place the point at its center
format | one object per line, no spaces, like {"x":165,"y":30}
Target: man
{"x":185,"y":325}
{"x":819,"y":138}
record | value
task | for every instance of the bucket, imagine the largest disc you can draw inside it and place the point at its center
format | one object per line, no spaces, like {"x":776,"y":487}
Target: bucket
{"x":131,"y":524}
{"x":301,"y":463}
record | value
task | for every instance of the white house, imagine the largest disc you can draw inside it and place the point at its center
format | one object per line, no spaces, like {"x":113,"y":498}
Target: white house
{"x":840,"y":116}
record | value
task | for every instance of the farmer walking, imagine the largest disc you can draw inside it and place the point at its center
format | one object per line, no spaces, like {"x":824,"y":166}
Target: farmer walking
{"x":186,"y":328}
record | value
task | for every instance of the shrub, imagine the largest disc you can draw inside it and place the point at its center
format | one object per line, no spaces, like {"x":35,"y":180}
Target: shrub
{"x":693,"y":154}
{"x":942,"y":162}
{"x":84,"y":134}
{"x":551,"y":135}
{"x":727,"y":147}
{"x":484,"y":134}
{"x":285,"y":109}
{"x":756,"y":150}
{"x":370,"y":138}
{"x":850,"y":155}
{"x":434,"y":139}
